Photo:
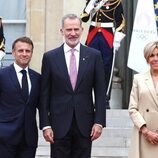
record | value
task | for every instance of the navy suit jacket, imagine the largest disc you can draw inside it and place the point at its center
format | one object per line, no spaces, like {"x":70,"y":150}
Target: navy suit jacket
{"x":16,"y":115}
{"x":58,"y":100}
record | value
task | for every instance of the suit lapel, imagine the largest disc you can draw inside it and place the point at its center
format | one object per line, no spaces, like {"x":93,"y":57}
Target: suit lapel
{"x":150,"y":85}
{"x":14,"y":78}
{"x":15,"y":81}
{"x":33,"y":83}
{"x":82,"y":64}
{"x":61,"y":63}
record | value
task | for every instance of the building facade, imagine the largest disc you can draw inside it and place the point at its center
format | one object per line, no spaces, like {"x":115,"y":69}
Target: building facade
{"x":42,"y":21}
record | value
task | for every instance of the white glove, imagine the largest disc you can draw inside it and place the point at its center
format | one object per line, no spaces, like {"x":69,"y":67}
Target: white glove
{"x":118,"y":37}
{"x":90,"y":6}
{"x":2,"y":54}
{"x":116,"y":45}
{"x":100,"y":4}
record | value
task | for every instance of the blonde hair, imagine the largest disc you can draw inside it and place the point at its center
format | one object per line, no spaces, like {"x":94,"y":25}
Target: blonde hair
{"x":149,"y":48}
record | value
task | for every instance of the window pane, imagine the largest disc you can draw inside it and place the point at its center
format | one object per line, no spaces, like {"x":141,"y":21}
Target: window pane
{"x":13,"y":13}
{"x":13,"y":9}
{"x":11,"y":32}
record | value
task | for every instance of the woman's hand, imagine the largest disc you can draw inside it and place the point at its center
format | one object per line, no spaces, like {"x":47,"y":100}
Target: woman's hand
{"x":151,"y":137}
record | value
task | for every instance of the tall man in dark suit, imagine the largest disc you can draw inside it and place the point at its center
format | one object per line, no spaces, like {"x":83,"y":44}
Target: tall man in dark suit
{"x":69,"y":118}
{"x":18,"y":129}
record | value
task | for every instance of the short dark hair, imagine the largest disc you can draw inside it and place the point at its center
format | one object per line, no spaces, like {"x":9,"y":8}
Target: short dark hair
{"x":23,"y":39}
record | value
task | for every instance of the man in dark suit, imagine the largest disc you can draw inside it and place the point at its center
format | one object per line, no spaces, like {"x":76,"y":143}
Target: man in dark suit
{"x":69,"y":118}
{"x":18,"y":128}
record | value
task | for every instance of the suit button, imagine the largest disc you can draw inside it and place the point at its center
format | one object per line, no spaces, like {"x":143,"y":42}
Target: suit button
{"x":147,"y":110}
{"x":99,"y":30}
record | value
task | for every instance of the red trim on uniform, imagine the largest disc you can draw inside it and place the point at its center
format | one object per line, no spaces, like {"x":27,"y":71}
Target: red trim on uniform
{"x":109,"y":37}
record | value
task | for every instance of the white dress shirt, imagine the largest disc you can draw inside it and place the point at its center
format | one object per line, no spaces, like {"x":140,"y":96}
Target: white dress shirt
{"x":67,"y":52}
{"x":19,"y":75}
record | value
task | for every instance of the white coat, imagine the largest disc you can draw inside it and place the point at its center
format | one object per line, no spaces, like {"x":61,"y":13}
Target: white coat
{"x":143,"y":109}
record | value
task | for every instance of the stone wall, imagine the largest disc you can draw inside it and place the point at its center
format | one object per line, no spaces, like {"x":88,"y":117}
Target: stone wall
{"x":44,"y":22}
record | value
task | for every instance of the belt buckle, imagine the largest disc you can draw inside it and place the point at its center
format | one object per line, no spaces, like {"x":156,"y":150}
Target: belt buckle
{"x":98,"y":24}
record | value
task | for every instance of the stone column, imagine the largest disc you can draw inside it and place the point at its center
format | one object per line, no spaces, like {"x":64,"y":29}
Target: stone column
{"x":44,"y":23}
{"x":54,"y":13}
{"x":35,"y":28}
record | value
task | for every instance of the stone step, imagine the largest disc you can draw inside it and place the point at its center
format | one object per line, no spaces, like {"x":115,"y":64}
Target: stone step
{"x":116,"y":132}
{"x":107,"y":152}
{"x":106,"y":145}
{"x":117,"y":113}
{"x":108,"y":134}
{"x":109,"y":142}
{"x":118,"y":122}
{"x":113,"y":143}
{"x":43,"y":151}
{"x":118,"y":118}
{"x":96,"y":152}
{"x":101,"y":142}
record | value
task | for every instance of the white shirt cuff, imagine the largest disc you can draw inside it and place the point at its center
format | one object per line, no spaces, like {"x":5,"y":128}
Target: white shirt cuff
{"x":46,"y":127}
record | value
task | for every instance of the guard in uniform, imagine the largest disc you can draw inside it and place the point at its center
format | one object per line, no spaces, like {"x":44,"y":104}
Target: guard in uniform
{"x":2,"y":41}
{"x":106,"y":30}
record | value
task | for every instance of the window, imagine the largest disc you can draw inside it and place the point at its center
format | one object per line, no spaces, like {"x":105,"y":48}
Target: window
{"x":13,"y":13}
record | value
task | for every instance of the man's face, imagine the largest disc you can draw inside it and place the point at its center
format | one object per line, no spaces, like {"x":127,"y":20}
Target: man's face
{"x":22,"y":53}
{"x":72,"y":32}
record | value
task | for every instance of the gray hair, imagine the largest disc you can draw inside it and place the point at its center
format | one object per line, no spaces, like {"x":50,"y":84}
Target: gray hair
{"x":149,"y":48}
{"x":70,"y":16}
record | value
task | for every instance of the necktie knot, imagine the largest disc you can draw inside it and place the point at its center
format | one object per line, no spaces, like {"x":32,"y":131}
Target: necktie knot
{"x":23,"y":72}
{"x":72,"y":51}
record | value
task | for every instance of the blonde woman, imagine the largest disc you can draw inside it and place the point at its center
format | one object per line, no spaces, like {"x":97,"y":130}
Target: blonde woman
{"x":143,"y":108}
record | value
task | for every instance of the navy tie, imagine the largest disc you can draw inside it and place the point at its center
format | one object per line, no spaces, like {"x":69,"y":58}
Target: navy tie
{"x":25,"y":89}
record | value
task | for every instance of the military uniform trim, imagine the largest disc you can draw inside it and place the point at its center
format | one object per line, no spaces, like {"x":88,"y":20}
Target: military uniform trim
{"x":121,"y":27}
{"x":2,"y":39}
{"x":111,"y":11}
{"x":2,"y":45}
{"x":107,"y":35}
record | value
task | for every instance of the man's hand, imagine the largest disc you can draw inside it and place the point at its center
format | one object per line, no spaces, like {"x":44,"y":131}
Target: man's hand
{"x":96,"y":132}
{"x":48,"y":135}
